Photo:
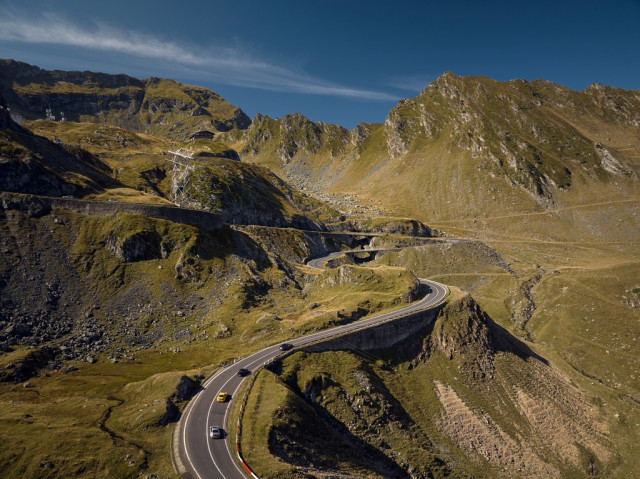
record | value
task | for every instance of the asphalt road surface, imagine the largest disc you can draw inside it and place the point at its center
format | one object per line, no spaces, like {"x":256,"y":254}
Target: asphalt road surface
{"x":205,"y":458}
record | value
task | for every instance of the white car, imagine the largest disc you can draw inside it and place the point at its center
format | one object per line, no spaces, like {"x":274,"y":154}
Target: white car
{"x":215,"y":432}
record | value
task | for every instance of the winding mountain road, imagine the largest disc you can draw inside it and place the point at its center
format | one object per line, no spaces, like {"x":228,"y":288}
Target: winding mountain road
{"x":199,"y":456}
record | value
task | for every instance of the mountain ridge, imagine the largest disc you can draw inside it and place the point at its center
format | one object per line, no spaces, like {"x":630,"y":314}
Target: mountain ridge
{"x":153,"y":105}
{"x":536,"y":143}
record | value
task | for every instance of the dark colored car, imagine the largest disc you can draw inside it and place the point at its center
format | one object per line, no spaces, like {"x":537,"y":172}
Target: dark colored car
{"x":242,"y":372}
{"x":286,"y":347}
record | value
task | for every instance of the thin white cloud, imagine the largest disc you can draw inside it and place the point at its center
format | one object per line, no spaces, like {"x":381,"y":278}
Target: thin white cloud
{"x":223,"y":64}
{"x":415,"y":83}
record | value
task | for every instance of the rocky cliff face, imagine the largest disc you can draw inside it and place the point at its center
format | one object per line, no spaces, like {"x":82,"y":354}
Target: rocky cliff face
{"x":310,"y":155}
{"x":250,"y":194}
{"x":293,"y":138}
{"x":293,"y":135}
{"x":153,"y":105}
{"x":535,"y":134}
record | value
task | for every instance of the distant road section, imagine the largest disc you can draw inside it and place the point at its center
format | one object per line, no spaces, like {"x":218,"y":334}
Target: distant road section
{"x":201,"y":457}
{"x":172,"y":213}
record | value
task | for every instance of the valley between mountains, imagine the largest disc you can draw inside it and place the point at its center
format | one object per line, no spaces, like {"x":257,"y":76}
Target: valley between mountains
{"x":126,"y":281}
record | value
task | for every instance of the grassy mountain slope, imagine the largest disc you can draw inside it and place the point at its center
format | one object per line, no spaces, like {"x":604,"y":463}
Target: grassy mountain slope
{"x":466,"y":399}
{"x":100,"y":316}
{"x":548,"y":178}
{"x":468,"y":147}
{"x":515,"y":146}
{"x":156,"y":106}
{"x":33,"y":164}
{"x":100,"y":162}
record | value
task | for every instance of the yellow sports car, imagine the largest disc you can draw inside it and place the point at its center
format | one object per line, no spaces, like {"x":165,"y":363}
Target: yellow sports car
{"x":222,"y":396}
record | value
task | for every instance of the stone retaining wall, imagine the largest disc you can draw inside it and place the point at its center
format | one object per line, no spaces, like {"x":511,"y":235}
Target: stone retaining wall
{"x":171,"y":213}
{"x":382,"y":336}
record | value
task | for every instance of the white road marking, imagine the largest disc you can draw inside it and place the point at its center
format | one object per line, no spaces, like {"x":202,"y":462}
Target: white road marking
{"x":227,"y":408}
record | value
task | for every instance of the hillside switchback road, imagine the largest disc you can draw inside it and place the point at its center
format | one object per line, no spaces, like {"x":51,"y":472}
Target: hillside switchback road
{"x":200,"y":457}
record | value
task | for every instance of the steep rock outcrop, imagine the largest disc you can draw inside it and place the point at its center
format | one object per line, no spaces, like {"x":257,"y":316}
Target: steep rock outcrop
{"x":250,"y":194}
{"x":558,"y":429}
{"x":139,"y":246}
{"x":293,"y":135}
{"x":465,"y":331}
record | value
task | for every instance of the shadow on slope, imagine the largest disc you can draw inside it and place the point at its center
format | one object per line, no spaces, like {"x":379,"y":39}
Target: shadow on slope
{"x":36,"y":165}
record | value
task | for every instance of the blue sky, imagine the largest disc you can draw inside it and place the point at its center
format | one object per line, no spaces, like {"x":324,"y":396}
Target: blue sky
{"x":338,"y":61}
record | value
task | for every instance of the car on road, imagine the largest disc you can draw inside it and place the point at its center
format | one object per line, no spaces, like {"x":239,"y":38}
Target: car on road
{"x":222,"y":396}
{"x":215,"y":432}
{"x":286,"y":347}
{"x":242,"y":372}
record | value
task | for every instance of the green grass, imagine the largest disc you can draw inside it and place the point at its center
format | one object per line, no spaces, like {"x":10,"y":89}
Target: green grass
{"x":67,"y":409}
{"x":67,"y":88}
{"x":140,"y":163}
{"x":348,"y":388}
{"x":266,"y":397}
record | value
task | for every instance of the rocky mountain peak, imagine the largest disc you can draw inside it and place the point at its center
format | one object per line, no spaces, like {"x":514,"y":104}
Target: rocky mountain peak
{"x":291,"y":135}
{"x":464,"y":330}
{"x":360,"y":133}
{"x":523,"y":131}
{"x":448,"y":84}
